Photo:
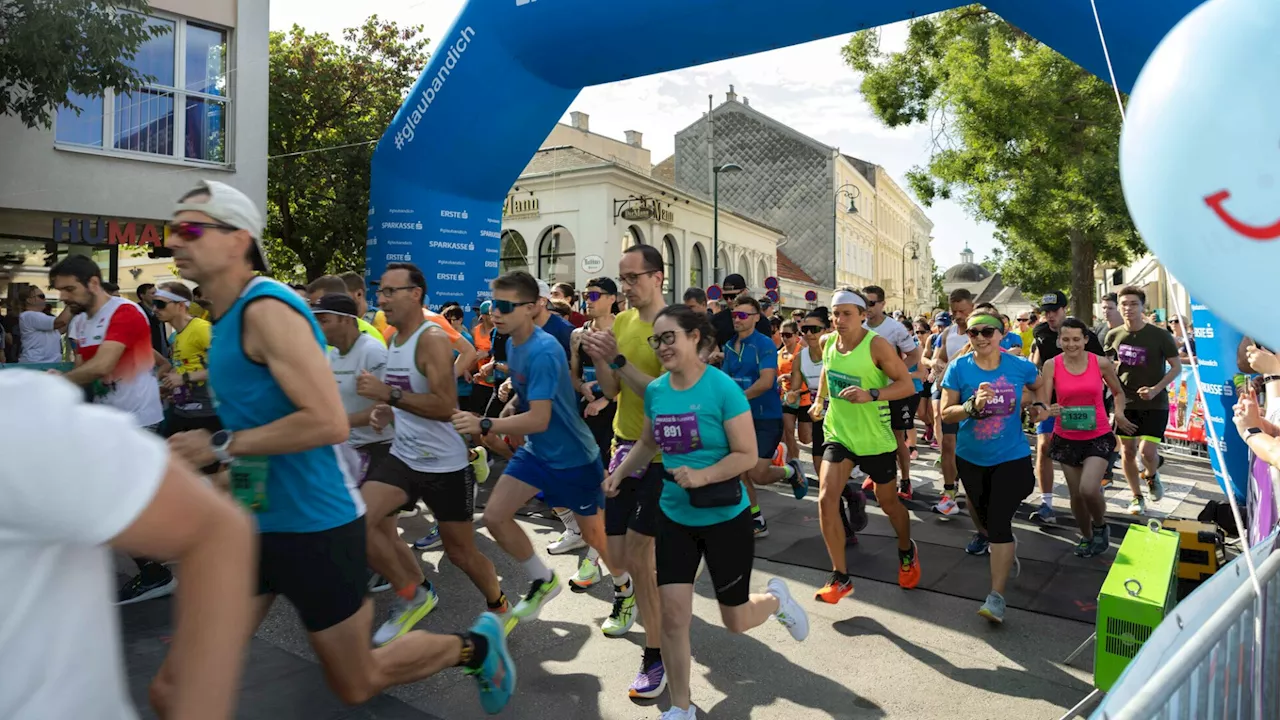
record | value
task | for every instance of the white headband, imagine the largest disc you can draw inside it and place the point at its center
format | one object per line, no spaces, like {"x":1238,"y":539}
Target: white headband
{"x":171,"y":297}
{"x":844,"y":297}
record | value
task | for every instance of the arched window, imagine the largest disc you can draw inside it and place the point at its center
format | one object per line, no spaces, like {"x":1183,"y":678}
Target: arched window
{"x":669,"y":269}
{"x":555,"y":255}
{"x":697,"y":268}
{"x":726,"y":268}
{"x":763,"y":271}
{"x":514,"y":253}
{"x":631,"y":237}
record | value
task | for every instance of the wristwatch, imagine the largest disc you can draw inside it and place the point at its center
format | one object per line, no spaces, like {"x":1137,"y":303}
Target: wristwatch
{"x":186,"y":378}
{"x":486,"y":424}
{"x":875,"y":394}
{"x":221,"y":443}
{"x":619,"y":362}
{"x":396,"y":394}
{"x":1252,"y":431}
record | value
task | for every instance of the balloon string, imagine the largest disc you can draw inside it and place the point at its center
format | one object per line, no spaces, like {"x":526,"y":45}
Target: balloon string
{"x":1106,"y":54}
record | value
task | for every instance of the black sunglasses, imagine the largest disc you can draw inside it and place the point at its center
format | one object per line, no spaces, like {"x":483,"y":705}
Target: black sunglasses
{"x":506,"y":307}
{"x":788,"y":335}
{"x":985,"y":332}
{"x":810,"y":329}
{"x":159,"y":304}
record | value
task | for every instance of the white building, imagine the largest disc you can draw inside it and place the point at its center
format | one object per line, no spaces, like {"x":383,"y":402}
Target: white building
{"x":584,"y":198}
{"x":109,"y":177}
{"x":1165,"y":295}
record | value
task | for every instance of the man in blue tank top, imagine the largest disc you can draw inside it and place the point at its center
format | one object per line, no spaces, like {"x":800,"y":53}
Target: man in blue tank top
{"x":283,"y":416}
{"x":560,"y":458}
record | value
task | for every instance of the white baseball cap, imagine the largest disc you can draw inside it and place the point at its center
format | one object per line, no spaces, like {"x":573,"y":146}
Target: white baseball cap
{"x":229,"y":206}
{"x":544,"y":290}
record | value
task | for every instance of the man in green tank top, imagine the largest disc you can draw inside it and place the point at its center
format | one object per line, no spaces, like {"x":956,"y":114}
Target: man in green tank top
{"x":861,"y":373}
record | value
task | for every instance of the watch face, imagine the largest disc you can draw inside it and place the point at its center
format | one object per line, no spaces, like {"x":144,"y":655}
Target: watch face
{"x":220,"y":438}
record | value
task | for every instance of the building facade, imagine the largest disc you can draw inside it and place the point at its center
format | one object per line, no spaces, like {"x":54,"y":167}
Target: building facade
{"x":584,"y":199}
{"x":1165,"y":295}
{"x":103,"y":183}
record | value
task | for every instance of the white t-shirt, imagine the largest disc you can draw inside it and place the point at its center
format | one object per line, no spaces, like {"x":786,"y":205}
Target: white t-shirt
{"x":367,"y":354}
{"x":896,"y":333}
{"x":59,"y":630}
{"x":40,"y":342}
{"x":132,"y":385}
{"x":75,"y":328}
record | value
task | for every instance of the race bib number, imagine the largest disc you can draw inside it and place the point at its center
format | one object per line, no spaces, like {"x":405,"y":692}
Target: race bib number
{"x":1002,"y":404}
{"x":677,"y":434}
{"x":1131,"y":355}
{"x":249,"y":482}
{"x":399,"y":381}
{"x":1082,"y":417}
{"x":837,"y":382}
{"x":624,"y":449}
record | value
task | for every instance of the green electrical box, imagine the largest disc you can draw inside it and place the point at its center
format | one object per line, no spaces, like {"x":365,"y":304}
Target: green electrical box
{"x":1139,"y":591}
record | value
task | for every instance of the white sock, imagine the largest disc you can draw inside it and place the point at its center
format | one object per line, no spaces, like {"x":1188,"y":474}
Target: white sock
{"x":621,"y":581}
{"x":593,"y":555}
{"x":536,"y":569}
{"x":570,"y":522}
{"x":1046,"y":498}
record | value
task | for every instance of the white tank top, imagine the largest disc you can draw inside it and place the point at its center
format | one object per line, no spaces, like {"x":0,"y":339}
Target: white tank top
{"x":424,"y":445}
{"x":812,"y":372}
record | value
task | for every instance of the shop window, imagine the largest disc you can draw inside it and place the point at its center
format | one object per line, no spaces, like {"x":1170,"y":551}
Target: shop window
{"x":669,"y":269}
{"x":514,"y":254}
{"x":555,"y":256}
{"x":697,"y":268}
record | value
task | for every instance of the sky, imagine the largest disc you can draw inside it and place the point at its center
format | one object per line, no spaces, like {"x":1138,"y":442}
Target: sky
{"x":807,"y":87}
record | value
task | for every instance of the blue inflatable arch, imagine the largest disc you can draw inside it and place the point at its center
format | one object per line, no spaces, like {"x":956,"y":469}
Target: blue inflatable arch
{"x":507,"y":70}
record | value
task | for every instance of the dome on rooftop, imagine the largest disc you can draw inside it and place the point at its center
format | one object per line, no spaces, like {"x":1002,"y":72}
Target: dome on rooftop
{"x":966,"y":273}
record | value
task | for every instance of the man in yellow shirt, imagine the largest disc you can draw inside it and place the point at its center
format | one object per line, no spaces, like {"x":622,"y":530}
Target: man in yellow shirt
{"x":186,"y":382}
{"x":355,"y":288}
{"x":1026,"y":329}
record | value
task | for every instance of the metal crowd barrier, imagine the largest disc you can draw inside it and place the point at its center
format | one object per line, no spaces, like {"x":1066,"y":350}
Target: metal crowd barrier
{"x":1217,"y":655}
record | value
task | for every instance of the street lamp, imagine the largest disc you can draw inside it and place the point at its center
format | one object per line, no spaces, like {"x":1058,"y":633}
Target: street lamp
{"x":850,"y":191}
{"x":715,"y":203}
{"x":915,"y":255}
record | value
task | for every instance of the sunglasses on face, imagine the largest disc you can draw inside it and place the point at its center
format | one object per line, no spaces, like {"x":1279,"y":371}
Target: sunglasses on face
{"x":739,"y":315}
{"x":810,"y":329}
{"x":1174,"y":321}
{"x":593,"y":295}
{"x":453,"y":316}
{"x":159,"y":304}
{"x":666,"y":338}
{"x":787,"y":335}
{"x":985,"y":332}
{"x":922,"y":332}
{"x":506,"y":307}
{"x":196,"y":230}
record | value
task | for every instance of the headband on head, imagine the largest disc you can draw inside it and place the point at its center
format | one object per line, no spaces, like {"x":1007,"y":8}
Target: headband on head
{"x":844,"y":297}
{"x":171,"y":297}
{"x":986,"y":320}
{"x":319,"y":311}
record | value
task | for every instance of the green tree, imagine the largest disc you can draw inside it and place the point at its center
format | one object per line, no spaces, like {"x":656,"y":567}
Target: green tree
{"x":329,"y":102}
{"x":938,"y":294}
{"x":1023,"y":138}
{"x":994,"y":260}
{"x":50,"y":49}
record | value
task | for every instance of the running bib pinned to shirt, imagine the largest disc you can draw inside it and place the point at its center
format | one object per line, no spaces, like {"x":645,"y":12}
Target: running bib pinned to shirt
{"x":1131,"y":355}
{"x":837,"y":382}
{"x":677,"y":434}
{"x":624,"y":449}
{"x":1002,"y":404}
{"x":249,"y":482}
{"x":399,"y":381}
{"x":1081,"y":417}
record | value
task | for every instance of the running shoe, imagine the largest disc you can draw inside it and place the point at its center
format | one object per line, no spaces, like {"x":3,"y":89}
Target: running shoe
{"x":1156,"y":486}
{"x":799,"y":484}
{"x":496,"y":675}
{"x":675,"y":713}
{"x":1044,"y":515}
{"x":480,"y":466}
{"x":858,"y":517}
{"x":909,"y":570}
{"x":587,"y":576}
{"x":649,"y":682}
{"x":835,"y":590}
{"x":1101,"y":539}
{"x":760,"y":527}
{"x":506,"y":614}
{"x":993,"y":608}
{"x":138,"y":589}
{"x":430,"y":541}
{"x":567,"y":542}
{"x":378,"y":584}
{"x":404,"y":614}
{"x":946,"y":505}
{"x":540,"y":593}
{"x":1105,"y":482}
{"x":779,"y":456}
{"x":1138,"y":506}
{"x":622,"y":617}
{"x":978,"y":545}
{"x":790,"y":614}
{"x":1084,"y":547}
{"x":905,"y":491}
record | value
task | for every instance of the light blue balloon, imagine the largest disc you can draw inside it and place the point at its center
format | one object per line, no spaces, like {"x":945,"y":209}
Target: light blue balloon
{"x":1200,"y":159}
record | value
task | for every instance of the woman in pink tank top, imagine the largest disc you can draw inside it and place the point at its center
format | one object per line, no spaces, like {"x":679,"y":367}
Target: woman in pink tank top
{"x":1083,"y":440}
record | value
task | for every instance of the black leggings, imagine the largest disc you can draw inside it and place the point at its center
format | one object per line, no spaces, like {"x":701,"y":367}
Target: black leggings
{"x":996,"y":492}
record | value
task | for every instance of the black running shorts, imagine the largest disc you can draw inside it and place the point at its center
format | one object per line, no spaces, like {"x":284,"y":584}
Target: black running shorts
{"x":450,"y":495}
{"x":324,"y":574}
{"x":902,"y":413}
{"x":1151,"y":424}
{"x":882,"y":468}
{"x":728,"y":547}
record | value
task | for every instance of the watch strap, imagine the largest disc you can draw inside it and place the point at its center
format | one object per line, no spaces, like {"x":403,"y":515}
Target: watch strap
{"x":1253,"y":431}
{"x":221,"y":450}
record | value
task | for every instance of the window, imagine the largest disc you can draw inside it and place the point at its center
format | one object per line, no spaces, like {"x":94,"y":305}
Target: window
{"x":555,"y":255}
{"x":669,"y":269}
{"x":763,"y":272}
{"x":182,"y":113}
{"x":725,"y":268}
{"x":697,"y":268}
{"x":631,"y":237}
{"x":514,"y":253}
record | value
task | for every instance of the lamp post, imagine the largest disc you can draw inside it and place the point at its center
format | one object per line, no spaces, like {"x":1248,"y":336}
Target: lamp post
{"x":915,"y":255}
{"x":715,"y":204}
{"x":850,"y":191}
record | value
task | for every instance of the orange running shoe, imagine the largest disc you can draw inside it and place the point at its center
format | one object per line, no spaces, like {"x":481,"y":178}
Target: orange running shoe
{"x":780,"y":456}
{"x":909,"y":570}
{"x":835,"y":590}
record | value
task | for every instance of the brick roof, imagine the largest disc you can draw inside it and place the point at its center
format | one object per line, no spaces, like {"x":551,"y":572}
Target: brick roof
{"x":788,"y":269}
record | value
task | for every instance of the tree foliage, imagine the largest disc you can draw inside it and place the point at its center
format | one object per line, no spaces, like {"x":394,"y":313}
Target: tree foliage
{"x":330,"y":101}
{"x":994,"y":260}
{"x":50,"y":49}
{"x":1023,"y":138}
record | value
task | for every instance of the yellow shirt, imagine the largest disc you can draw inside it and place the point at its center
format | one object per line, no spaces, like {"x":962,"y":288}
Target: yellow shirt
{"x":633,"y":342}
{"x":371,"y":331}
{"x":191,"y":346}
{"x":380,"y":321}
{"x":1027,"y":341}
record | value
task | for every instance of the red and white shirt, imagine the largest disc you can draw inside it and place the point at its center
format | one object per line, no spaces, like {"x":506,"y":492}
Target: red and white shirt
{"x":132,"y":385}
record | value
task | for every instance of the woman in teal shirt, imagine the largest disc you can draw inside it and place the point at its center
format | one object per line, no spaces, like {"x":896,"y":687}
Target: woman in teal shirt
{"x":701,"y":421}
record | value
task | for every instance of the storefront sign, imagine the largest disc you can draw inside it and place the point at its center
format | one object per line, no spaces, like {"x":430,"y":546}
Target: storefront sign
{"x":524,"y":207}
{"x":101,"y":231}
{"x":592,"y":264}
{"x":637,"y":213}
{"x":640,"y":209}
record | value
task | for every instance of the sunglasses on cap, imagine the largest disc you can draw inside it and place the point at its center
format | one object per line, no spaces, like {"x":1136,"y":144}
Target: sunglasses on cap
{"x":507,"y":307}
{"x":196,"y":230}
{"x":985,"y":332}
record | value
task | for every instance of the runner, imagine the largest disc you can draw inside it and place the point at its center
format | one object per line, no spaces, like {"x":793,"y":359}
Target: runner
{"x":625,"y":365}
{"x":332,"y":284}
{"x":1045,"y":347}
{"x":187,"y":381}
{"x":283,"y":414}
{"x":732,"y":287}
{"x":704,"y":427}
{"x":1012,"y":341}
{"x":428,"y":460}
{"x":1082,"y":437}
{"x":861,"y":374}
{"x":924,"y":402}
{"x":950,"y":344}
{"x":559,"y":458}
{"x":797,"y":426}
{"x":752,"y":361}
{"x":982,"y":393}
{"x":550,"y":322}
{"x":482,"y":393}
{"x":902,"y":413}
{"x":1027,"y":323}
{"x":1141,"y":352}
{"x":807,"y":375}
{"x":355,"y":288}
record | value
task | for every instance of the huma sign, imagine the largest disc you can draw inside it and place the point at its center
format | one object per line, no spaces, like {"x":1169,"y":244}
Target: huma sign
{"x":100,"y":231}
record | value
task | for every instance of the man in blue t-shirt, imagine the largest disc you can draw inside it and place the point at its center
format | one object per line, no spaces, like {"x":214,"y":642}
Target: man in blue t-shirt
{"x":560,"y":457}
{"x":751,"y":360}
{"x":550,"y":322}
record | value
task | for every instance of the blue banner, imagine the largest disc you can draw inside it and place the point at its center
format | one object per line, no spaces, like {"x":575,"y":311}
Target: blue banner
{"x":1216,"y":345}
